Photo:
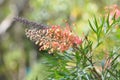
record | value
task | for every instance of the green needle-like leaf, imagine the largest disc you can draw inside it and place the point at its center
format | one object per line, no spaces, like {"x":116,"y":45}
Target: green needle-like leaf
{"x":96,"y":24}
{"x":91,"y":26}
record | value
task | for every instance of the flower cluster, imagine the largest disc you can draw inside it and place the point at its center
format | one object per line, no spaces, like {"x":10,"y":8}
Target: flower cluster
{"x":54,"y":38}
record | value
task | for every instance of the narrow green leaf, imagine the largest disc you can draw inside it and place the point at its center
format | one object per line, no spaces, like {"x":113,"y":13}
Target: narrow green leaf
{"x":96,"y":24}
{"x":108,"y":25}
{"x":113,"y":61}
{"x":102,"y":24}
{"x":91,"y":26}
{"x":111,"y":72}
{"x":113,"y":18}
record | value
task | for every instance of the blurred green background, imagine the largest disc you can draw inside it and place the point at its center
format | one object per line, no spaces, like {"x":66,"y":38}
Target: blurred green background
{"x":19,"y":57}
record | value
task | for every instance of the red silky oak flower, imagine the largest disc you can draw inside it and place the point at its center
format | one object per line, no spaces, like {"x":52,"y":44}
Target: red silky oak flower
{"x":54,"y":38}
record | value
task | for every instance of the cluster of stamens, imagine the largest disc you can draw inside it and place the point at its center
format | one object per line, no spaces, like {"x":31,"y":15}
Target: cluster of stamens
{"x":53,"y":39}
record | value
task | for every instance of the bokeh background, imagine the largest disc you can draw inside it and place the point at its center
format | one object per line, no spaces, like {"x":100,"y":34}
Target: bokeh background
{"x":19,"y":57}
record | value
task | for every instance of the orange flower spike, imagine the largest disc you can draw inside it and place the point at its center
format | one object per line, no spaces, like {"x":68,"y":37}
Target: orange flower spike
{"x":54,"y":38}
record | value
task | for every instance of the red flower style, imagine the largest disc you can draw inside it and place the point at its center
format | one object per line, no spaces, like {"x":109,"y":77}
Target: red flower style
{"x":77,"y":40}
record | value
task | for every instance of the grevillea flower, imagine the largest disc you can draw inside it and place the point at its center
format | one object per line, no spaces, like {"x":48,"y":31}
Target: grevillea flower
{"x":54,"y":38}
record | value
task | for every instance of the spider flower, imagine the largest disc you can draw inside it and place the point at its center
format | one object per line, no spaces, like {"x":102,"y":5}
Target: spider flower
{"x":54,"y":38}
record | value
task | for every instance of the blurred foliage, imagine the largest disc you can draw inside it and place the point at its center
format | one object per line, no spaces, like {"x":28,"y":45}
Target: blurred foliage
{"x":20,"y":58}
